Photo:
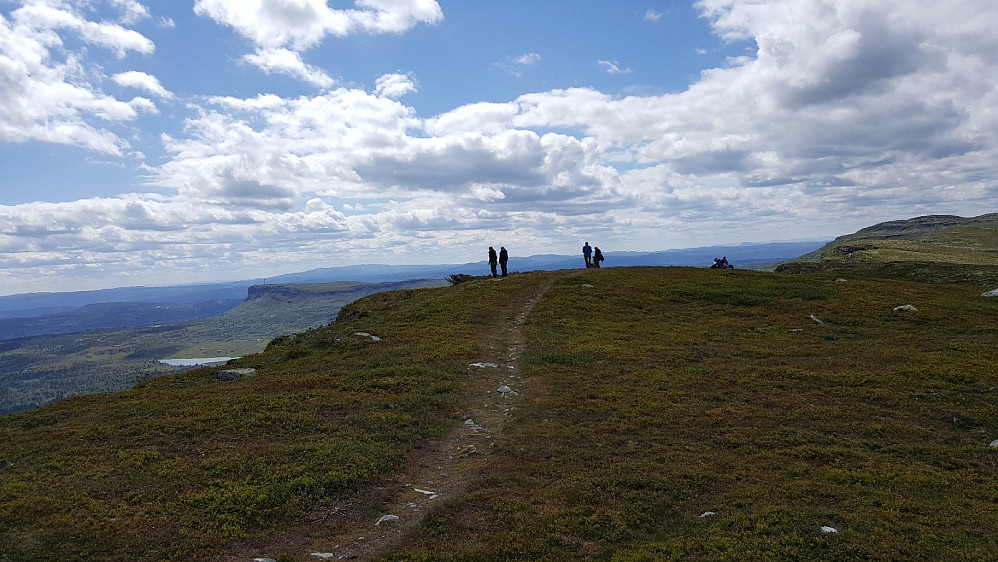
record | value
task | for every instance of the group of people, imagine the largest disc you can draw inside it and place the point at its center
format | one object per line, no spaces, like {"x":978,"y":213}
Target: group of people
{"x":499,"y":259}
{"x":593,"y":256}
{"x":722,"y":263}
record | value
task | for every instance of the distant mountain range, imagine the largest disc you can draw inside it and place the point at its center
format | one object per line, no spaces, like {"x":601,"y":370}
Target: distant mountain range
{"x":56,"y":306}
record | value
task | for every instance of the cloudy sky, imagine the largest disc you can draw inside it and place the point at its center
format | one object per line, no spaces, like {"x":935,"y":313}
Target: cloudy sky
{"x":155,"y":143}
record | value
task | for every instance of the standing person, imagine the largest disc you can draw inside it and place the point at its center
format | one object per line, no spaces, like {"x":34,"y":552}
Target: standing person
{"x":493,"y":260}
{"x":587,"y":252}
{"x":503,"y":258}
{"x":597,"y":257}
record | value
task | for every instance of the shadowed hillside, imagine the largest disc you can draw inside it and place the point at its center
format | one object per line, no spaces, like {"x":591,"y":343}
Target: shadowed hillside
{"x":624,"y":413}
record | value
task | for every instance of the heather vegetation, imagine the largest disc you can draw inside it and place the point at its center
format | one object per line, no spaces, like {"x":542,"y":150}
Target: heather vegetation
{"x":653,"y":414}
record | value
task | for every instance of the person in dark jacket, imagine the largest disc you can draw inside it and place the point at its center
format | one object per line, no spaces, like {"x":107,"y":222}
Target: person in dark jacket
{"x":493,"y":260}
{"x":587,"y":253}
{"x":597,"y":257}
{"x":503,"y":258}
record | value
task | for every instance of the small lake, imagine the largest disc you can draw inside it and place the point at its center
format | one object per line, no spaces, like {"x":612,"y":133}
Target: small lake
{"x":195,"y":361}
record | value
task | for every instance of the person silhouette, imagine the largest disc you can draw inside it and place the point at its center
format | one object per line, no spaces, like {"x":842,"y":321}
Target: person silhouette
{"x":503,"y":258}
{"x":587,"y":253}
{"x":597,"y":257}
{"x":493,"y":260}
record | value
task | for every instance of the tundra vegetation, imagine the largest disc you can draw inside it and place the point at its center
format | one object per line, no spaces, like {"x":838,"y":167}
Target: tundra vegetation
{"x":661,"y":413}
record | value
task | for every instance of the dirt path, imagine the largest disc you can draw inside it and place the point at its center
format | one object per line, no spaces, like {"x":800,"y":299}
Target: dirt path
{"x":364,"y":528}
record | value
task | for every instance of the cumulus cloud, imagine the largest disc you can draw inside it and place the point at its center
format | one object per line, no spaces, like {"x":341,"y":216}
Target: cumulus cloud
{"x":288,"y":62}
{"x":142,"y":81}
{"x":855,"y":110}
{"x":46,"y":92}
{"x":282,"y":29}
{"x":395,"y":85}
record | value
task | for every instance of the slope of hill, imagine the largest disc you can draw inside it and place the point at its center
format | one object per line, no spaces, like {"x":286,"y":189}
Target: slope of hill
{"x":623,"y":413}
{"x":39,"y":370}
{"x":931,"y":248}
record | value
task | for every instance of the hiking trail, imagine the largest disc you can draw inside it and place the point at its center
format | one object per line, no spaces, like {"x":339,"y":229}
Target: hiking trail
{"x":367,"y":526}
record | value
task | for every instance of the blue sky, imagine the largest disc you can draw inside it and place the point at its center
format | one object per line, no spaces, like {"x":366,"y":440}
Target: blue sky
{"x":153,"y":143}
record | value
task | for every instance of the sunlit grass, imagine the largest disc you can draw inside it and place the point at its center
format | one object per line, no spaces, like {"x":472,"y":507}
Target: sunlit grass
{"x":652,"y":396}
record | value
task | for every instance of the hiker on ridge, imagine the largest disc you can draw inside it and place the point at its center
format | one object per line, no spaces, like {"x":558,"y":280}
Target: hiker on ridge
{"x":597,"y":257}
{"x":587,"y":252}
{"x":503,"y":258}
{"x":493,"y":260}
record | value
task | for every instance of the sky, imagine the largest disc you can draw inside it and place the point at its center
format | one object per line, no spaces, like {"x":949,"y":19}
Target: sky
{"x":175,"y":142}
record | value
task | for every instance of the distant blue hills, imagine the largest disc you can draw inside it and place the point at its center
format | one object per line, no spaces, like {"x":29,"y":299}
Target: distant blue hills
{"x":32,"y":305}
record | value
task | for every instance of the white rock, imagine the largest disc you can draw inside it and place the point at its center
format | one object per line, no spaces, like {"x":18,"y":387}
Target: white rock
{"x":994,"y":443}
{"x":387,"y":519}
{"x":816,"y":320}
{"x":433,"y":495}
{"x":904,"y":309}
{"x":506,"y":390}
{"x":474,"y":427}
{"x":324,"y":555}
{"x":993,"y":293}
{"x":587,"y":286}
{"x":829,"y":530}
{"x":484,"y":365}
{"x":707,"y":514}
{"x":264,"y":560}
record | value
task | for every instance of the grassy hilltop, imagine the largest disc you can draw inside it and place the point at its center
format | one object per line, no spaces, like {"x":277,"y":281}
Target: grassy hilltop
{"x":623,"y":413}
{"x":934,"y":248}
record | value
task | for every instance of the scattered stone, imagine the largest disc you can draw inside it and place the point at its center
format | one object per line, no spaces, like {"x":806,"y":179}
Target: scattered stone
{"x":816,"y":320}
{"x":366,"y":335}
{"x":797,"y":330}
{"x":840,"y":280}
{"x":994,"y":443}
{"x":484,"y":365}
{"x":587,"y":286}
{"x":827,"y":529}
{"x":387,"y":519}
{"x":433,"y":495}
{"x":506,"y":390}
{"x":229,"y":375}
{"x":264,"y":560}
{"x":347,"y":556}
{"x":707,"y":514}
{"x":990,"y":293}
{"x":324,"y":555}
{"x":904,"y":309}
{"x":467,"y":452}
{"x":474,"y":427}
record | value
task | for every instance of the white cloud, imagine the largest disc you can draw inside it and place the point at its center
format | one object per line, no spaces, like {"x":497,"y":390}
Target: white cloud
{"x":282,"y":29}
{"x":527,"y":59}
{"x":395,"y":85}
{"x":46,"y":92}
{"x":142,"y":81}
{"x":286,"y":61}
{"x":612,"y":67}
{"x":302,"y":24}
{"x":847,"y":112}
{"x":653,"y":15}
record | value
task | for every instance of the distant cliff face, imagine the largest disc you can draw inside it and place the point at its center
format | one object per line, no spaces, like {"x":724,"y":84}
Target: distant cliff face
{"x":302,"y":290}
{"x":274,"y":291}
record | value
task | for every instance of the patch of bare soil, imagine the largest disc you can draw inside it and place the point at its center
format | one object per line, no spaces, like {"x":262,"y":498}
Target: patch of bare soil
{"x":368,"y":526}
